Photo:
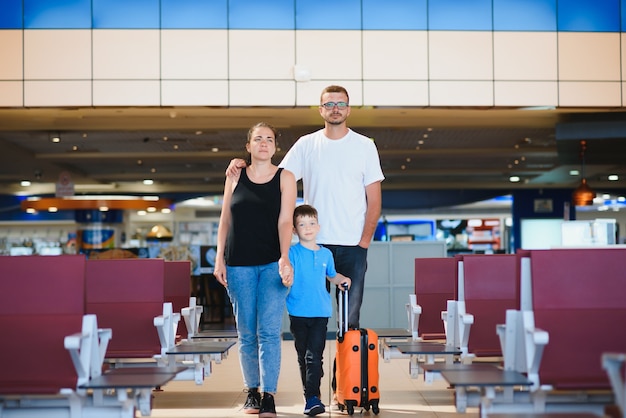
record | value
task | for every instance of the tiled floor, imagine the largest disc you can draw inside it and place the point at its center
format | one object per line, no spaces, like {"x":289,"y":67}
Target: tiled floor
{"x":221,"y":394}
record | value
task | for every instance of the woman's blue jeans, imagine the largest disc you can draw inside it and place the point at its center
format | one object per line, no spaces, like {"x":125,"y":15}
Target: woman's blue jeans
{"x":258,"y":298}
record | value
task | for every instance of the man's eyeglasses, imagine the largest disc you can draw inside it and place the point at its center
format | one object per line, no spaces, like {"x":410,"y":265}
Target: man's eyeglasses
{"x":330,"y":105}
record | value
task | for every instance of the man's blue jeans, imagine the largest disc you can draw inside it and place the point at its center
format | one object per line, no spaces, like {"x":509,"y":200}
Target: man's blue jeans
{"x":258,"y":298}
{"x":351,"y":261}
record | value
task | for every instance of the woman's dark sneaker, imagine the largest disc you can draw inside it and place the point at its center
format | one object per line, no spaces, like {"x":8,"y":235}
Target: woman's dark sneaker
{"x":253,"y":402}
{"x":268,"y":409}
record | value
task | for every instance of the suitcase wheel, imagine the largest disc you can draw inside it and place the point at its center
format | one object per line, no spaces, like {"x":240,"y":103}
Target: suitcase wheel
{"x":350,"y":406}
{"x":375,"y":408}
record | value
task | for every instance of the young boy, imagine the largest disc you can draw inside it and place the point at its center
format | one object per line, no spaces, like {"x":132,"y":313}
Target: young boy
{"x":309,"y":304}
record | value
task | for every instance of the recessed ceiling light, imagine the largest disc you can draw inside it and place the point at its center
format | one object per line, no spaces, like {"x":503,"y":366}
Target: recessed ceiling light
{"x":25,"y":183}
{"x":514,"y":179}
{"x":613,"y":177}
{"x":148,"y":182}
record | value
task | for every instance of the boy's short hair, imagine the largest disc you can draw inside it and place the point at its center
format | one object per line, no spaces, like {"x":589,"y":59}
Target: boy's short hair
{"x":304,"y":210}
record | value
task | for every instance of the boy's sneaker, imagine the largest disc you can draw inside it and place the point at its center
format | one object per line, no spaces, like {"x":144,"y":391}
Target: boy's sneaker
{"x":253,"y":402}
{"x":314,"y":406}
{"x":268,"y":409}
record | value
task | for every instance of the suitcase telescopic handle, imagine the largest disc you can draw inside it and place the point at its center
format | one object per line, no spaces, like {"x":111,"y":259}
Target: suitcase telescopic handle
{"x":343,"y":309}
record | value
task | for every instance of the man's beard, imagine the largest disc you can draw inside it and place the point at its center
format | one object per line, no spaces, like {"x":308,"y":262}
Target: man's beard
{"x":335,"y":121}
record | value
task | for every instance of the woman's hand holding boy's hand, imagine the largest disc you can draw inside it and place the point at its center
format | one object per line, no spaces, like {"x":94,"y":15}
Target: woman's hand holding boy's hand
{"x":285,"y":271}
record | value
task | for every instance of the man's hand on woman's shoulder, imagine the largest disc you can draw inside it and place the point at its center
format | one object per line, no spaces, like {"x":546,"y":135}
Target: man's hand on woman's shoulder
{"x":234,"y":168}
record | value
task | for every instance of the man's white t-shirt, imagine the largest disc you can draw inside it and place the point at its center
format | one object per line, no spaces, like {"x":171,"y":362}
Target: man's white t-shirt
{"x":334,"y":173}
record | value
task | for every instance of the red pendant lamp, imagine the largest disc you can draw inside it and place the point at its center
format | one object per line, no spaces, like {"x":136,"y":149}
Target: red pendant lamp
{"x":583,"y":195}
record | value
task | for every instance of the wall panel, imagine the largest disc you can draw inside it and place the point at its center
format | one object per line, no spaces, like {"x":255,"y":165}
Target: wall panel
{"x":397,"y":55}
{"x":330,"y":55}
{"x":598,"y":93}
{"x":525,"y":56}
{"x":395,"y":93}
{"x":194,"y":54}
{"x":11,"y":55}
{"x":589,"y":56}
{"x":57,"y":93}
{"x":126,"y":93}
{"x":526,"y":93}
{"x":267,"y":54}
{"x":57,"y":54}
{"x":461,"y":93}
{"x":194,"y":93}
{"x":11,"y":93}
{"x":126,"y":54}
{"x":460,"y":55}
{"x":262,"y":93}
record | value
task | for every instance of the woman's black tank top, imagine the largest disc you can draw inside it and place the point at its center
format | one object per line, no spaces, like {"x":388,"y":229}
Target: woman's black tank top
{"x":253,"y":236}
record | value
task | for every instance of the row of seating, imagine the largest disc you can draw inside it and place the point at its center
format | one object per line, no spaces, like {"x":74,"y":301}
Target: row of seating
{"x":454,"y":295}
{"x":549,"y":317}
{"x":95,"y":337}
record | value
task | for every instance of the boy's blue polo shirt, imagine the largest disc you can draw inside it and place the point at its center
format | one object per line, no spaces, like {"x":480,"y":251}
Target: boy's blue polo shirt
{"x":308,"y":296}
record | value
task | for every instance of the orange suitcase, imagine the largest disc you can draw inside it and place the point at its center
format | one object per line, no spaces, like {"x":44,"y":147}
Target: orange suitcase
{"x":357,"y":365}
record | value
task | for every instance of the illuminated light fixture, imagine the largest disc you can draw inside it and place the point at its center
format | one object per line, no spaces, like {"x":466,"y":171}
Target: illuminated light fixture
{"x":475,"y":222}
{"x":148,"y":182}
{"x":53,"y":209}
{"x":25,"y":183}
{"x":514,"y":179}
{"x":166,"y":210}
{"x":30,"y":210}
{"x":55,"y":138}
{"x":103,"y":208}
{"x":583,"y":195}
{"x":96,"y":203}
{"x":159,"y":232}
{"x":613,"y":177}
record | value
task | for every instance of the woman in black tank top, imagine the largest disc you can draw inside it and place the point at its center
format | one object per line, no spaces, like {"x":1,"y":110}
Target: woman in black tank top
{"x":252,"y":262}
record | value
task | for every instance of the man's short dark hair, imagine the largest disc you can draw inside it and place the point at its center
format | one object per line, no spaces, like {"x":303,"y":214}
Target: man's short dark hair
{"x":335,"y":89}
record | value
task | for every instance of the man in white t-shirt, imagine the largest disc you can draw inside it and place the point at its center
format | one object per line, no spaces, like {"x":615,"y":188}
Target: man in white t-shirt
{"x":341,"y":176}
